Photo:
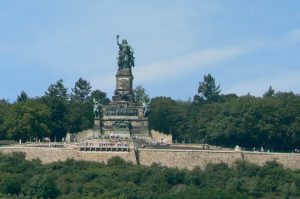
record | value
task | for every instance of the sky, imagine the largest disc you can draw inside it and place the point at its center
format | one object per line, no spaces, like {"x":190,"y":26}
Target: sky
{"x":246,"y":46}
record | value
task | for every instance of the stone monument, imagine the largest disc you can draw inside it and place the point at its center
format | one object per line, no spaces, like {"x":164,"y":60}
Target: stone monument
{"x":123,"y":117}
{"x":97,"y":115}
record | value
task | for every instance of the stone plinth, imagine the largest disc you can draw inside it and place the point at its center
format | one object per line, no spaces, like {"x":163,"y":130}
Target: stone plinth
{"x":124,"y":120}
{"x":97,"y":128}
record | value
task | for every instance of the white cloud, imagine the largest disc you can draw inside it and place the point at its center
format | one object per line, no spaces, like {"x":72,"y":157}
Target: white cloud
{"x":181,"y":66}
{"x":294,"y":35}
{"x":291,"y":37}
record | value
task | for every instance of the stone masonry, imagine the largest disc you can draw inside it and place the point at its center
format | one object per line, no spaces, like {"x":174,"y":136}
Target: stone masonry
{"x":183,"y":159}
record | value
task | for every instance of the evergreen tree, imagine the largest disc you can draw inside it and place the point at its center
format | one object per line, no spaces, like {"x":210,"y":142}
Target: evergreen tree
{"x":57,"y":99}
{"x":269,"y":93}
{"x":22,"y":97}
{"x":208,"y":91}
{"x":57,"y":91}
{"x":99,"y":96}
{"x":81,"y":91}
{"x":80,"y":114}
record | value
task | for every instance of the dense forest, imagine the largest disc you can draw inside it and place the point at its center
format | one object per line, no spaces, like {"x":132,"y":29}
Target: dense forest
{"x":51,"y":115}
{"x":20,"y":178}
{"x":271,"y":121}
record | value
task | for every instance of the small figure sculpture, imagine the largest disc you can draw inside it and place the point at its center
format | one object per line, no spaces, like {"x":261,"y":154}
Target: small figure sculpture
{"x":121,"y":124}
{"x":125,"y":58}
{"x":97,"y":108}
{"x":146,"y":107}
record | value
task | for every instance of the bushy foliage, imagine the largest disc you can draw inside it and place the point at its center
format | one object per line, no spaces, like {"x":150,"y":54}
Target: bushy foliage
{"x":51,"y":115}
{"x":20,"y":178}
{"x":271,"y":122}
{"x":26,"y":119}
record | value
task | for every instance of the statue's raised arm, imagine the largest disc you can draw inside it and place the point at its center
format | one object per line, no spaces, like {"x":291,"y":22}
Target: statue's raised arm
{"x":118,"y":41}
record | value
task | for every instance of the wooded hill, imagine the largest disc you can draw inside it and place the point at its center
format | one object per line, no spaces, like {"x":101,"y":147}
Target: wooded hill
{"x":271,"y":121}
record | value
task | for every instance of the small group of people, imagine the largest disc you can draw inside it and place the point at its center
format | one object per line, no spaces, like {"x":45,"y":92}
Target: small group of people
{"x":158,"y":142}
{"x":86,"y":143}
{"x":103,"y":143}
{"x":116,"y":136}
{"x":112,"y":144}
{"x":260,"y":150}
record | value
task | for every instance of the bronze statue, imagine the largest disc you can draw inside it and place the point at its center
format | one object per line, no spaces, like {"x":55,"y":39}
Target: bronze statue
{"x":97,"y":108}
{"x":146,"y":107}
{"x":125,"y":58}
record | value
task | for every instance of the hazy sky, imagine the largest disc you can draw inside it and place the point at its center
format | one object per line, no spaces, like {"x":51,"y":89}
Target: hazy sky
{"x":246,"y":45}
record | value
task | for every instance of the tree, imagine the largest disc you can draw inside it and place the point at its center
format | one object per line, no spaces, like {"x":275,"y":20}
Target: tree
{"x":10,"y":185}
{"x":22,"y":97}
{"x":80,"y":116}
{"x":42,"y":186}
{"x":56,"y":97}
{"x":100,"y":96}
{"x":57,"y":91}
{"x":208,"y":90}
{"x":169,"y":116}
{"x":80,"y":113}
{"x":4,"y":110}
{"x":269,"y":93}
{"x":161,"y":114}
{"x":28,"y":119}
{"x":81,"y":91}
{"x":140,"y":94}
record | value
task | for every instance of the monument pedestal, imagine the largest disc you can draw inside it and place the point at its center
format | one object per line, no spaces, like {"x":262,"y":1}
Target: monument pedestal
{"x":97,"y":128}
{"x":124,"y":120}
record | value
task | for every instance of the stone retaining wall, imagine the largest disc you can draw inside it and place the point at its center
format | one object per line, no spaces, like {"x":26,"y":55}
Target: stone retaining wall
{"x":186,"y":158}
{"x":191,"y":158}
{"x":171,"y":158}
{"x":289,"y":160}
{"x":158,"y":136}
{"x":48,"y":155}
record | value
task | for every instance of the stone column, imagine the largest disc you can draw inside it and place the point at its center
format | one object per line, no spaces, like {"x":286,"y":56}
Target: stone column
{"x":97,"y":128}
